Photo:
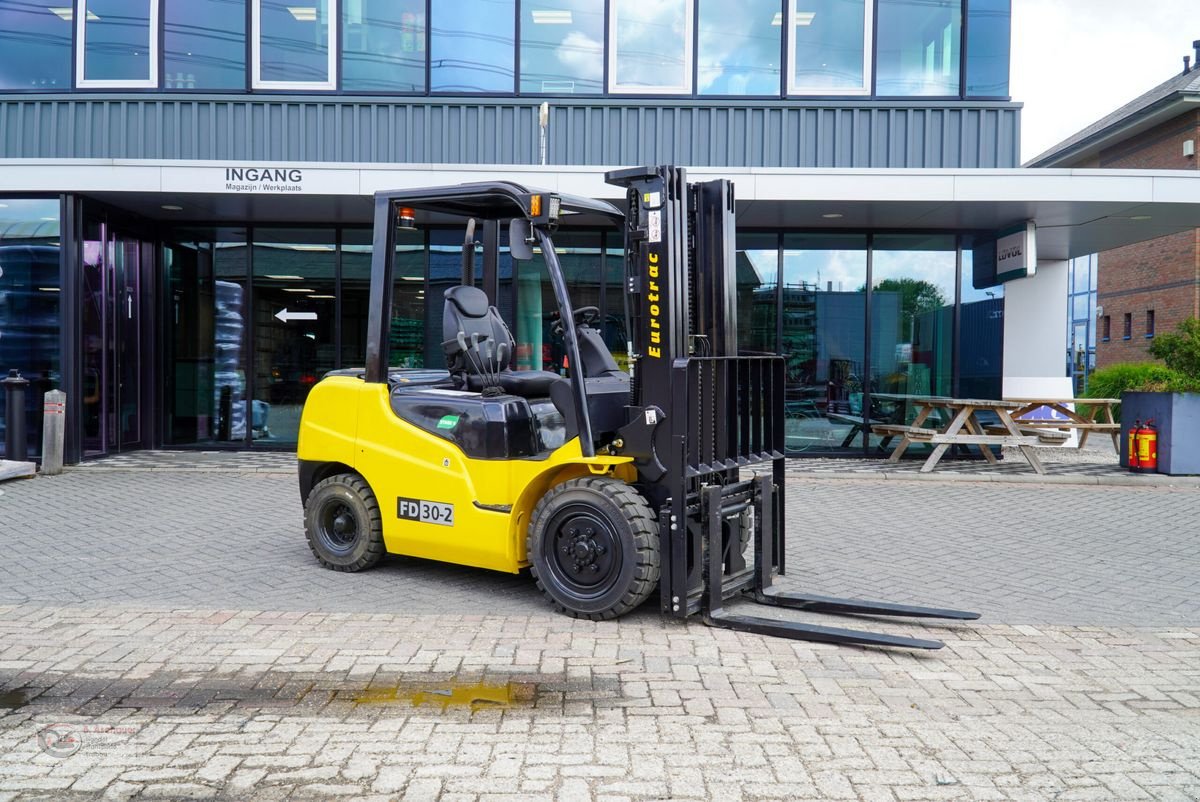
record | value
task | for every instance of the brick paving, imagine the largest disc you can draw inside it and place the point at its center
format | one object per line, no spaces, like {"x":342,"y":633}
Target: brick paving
{"x":168,"y":635}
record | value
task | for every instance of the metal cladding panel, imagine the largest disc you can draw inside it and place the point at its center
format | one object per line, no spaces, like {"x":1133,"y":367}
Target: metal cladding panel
{"x":599,"y":132}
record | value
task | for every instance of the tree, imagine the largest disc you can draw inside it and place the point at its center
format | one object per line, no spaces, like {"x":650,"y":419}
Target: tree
{"x":917,"y":296}
{"x":1180,"y":349}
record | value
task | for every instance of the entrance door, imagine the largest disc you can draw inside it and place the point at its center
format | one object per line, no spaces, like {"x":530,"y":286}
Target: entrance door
{"x":112,"y":359}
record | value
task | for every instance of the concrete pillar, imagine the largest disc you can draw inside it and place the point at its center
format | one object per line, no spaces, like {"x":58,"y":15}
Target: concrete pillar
{"x":1035,"y":334}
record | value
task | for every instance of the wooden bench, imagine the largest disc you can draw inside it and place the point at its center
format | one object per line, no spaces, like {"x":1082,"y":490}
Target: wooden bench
{"x":1071,"y":419}
{"x":1046,"y":437}
{"x":911,"y":432}
{"x":965,"y":428}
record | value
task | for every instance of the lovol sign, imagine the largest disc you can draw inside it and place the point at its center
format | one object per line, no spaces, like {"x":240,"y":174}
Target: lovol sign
{"x":1011,"y":254}
{"x":264,"y":179}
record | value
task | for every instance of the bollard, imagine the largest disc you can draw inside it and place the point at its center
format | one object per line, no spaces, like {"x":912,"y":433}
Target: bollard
{"x":225,"y":415}
{"x":53,"y":432}
{"x":15,"y":446}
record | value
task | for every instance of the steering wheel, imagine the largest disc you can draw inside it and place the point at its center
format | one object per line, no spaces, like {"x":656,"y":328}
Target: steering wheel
{"x":586,"y":315}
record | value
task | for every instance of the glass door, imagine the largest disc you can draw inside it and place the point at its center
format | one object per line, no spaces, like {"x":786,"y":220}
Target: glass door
{"x":111,"y":322}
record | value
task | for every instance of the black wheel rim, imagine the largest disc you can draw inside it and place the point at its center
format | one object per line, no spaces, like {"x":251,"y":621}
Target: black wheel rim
{"x":337,"y":527}
{"x":583,"y":551}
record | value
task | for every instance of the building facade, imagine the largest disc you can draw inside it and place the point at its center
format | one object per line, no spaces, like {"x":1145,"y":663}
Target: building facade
{"x":1151,"y":286}
{"x":185,"y":320}
{"x":185,"y":194}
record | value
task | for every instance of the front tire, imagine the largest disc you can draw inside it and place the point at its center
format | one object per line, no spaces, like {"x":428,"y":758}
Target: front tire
{"x":593,"y":548}
{"x":343,"y":524}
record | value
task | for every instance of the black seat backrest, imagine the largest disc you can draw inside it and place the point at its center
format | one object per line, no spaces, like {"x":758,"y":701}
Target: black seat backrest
{"x":467,"y":311}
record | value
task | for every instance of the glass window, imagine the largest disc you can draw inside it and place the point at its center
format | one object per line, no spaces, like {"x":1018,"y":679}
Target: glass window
{"x":1149,"y":322}
{"x":204,"y":45}
{"x":406,"y":337}
{"x":538,"y":347}
{"x":912,"y":318}
{"x":562,"y":47}
{"x":120,"y":43}
{"x":918,"y":48}
{"x":29,"y":306}
{"x":383,"y":45}
{"x":757,"y":279}
{"x":989,"y":33}
{"x":651,"y":46}
{"x":739,"y":47}
{"x":1081,"y":273}
{"x":824,"y":339}
{"x":472,"y":46}
{"x":616,"y":335}
{"x":204,"y":387}
{"x":980,"y":335}
{"x":1127,"y":326}
{"x":35,"y":46}
{"x":1079,"y":306}
{"x":830,"y":47}
{"x":294,"y":331}
{"x":293,"y":44}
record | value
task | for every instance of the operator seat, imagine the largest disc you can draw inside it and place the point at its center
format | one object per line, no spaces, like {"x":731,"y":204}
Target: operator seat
{"x":479,"y":348}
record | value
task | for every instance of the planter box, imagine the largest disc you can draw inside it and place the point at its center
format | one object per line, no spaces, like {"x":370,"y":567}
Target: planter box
{"x":1177,"y":418}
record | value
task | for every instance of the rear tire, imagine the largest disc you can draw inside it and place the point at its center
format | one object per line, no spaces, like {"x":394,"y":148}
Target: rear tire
{"x":343,"y":524}
{"x":593,"y":548}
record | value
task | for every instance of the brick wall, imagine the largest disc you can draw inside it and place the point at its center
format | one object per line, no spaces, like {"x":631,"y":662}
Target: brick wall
{"x":1161,"y":275}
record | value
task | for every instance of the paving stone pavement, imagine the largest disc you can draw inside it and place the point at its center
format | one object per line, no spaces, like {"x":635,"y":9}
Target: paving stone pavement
{"x":168,"y":635}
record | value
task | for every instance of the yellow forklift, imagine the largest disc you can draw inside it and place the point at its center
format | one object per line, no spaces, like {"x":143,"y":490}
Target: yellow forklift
{"x":605,"y":484}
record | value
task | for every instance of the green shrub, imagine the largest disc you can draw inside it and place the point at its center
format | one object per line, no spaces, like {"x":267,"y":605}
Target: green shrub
{"x":1180,"y":349}
{"x":1141,"y":377}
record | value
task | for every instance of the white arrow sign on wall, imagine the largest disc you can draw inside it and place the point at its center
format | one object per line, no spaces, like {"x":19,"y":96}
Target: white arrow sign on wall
{"x":286,"y":316}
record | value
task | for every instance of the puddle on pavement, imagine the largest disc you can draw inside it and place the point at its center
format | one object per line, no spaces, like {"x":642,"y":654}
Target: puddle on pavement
{"x":11,"y":700}
{"x":475,"y":695}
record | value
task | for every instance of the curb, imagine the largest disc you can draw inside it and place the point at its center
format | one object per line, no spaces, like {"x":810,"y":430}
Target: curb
{"x":1016,"y":479}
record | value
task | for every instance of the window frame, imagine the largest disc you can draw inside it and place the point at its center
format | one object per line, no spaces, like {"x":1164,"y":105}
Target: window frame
{"x":154,"y":20}
{"x":868,"y":58}
{"x":1149,"y":324}
{"x":1127,"y":326}
{"x":688,"y":88}
{"x":334,"y":50}
{"x":1106,"y":328}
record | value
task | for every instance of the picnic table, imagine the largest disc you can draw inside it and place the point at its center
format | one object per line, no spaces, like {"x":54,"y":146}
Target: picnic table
{"x":964,"y":427}
{"x":1083,"y":422}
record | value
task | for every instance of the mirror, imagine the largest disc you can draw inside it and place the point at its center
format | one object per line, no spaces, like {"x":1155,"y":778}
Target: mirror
{"x":518,"y":239}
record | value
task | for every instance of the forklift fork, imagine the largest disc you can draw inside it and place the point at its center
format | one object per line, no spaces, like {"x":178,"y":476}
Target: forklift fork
{"x":715,"y":589}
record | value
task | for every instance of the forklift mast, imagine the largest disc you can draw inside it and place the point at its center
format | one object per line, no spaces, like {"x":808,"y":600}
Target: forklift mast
{"x":707,"y":421}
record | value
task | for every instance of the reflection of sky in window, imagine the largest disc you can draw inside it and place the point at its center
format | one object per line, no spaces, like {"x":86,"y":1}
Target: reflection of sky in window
{"x":829,"y":47}
{"x":919,"y":42}
{"x":562,"y":46}
{"x":765,"y":264}
{"x":383,"y":46}
{"x":932,"y":267}
{"x":650,"y":43}
{"x":739,"y":47}
{"x":472,"y":46}
{"x":969,"y":293}
{"x":204,"y":44}
{"x":989,"y":26}
{"x":817,"y":268}
{"x":35,"y":47}
{"x":294,"y":48}
{"x":117,"y":40}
